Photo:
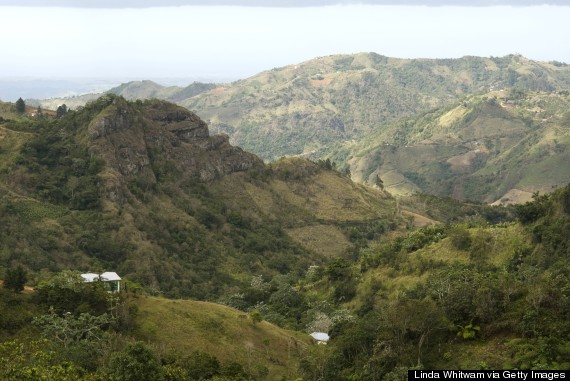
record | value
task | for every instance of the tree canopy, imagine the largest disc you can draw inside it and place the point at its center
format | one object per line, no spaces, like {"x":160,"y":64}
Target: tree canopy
{"x":20,"y":105}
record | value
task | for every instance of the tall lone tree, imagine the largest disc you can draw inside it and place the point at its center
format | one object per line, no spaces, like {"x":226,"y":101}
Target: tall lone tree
{"x":61,"y":111}
{"x":20,"y":105}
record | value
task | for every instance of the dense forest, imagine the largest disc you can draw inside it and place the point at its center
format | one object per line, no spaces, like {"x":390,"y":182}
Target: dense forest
{"x":471,"y":295}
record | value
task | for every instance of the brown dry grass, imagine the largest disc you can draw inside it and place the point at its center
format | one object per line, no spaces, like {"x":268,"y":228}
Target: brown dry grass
{"x":321,"y":82}
{"x":325,"y":240}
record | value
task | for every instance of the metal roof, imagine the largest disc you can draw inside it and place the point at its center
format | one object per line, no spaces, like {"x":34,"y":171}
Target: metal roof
{"x":110,"y":276}
{"x":90,"y":277}
{"x":105,"y":277}
{"x":320,"y":336}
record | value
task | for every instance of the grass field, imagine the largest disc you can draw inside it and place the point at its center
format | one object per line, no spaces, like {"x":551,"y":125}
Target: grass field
{"x":184,"y":326}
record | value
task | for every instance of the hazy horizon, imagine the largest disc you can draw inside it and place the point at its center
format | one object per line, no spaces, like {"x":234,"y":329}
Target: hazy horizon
{"x":235,"y":42}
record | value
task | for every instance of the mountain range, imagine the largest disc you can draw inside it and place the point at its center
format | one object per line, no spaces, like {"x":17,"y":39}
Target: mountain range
{"x":143,"y":188}
{"x":338,"y":107}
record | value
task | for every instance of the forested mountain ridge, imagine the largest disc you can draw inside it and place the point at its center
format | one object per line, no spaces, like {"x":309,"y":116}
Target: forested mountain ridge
{"x":142,"y":188}
{"x":307,"y":107}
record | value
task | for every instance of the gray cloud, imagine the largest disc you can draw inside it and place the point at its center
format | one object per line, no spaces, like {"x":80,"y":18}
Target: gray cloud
{"x":268,"y":3}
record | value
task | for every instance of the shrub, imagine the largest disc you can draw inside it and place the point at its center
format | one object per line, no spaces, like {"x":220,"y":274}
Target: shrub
{"x":460,"y":238}
{"x":15,"y":279}
{"x":135,"y":363}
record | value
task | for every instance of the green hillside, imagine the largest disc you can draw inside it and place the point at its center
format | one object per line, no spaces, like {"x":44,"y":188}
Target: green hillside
{"x":285,"y":249}
{"x":182,"y":326}
{"x":184,"y":339}
{"x":468,"y":296}
{"x":482,"y":129}
{"x":304,"y":108}
{"x":141,"y":188}
{"x":501,"y":146}
{"x":465,"y":296}
{"x":307,"y":107}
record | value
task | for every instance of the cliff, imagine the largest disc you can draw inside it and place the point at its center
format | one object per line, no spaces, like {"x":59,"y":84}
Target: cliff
{"x":137,"y":140}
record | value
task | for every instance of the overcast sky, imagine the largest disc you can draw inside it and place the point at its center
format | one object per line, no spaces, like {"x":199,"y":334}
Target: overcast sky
{"x":269,"y":3}
{"x":232,"y":42}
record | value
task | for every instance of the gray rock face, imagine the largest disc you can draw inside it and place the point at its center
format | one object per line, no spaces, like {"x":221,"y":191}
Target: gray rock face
{"x":139,"y":141}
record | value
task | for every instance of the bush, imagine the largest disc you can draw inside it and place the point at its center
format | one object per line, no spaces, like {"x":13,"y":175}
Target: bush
{"x":16,"y":279}
{"x":566,"y":199}
{"x":66,"y":292}
{"x":533,"y":210}
{"x":135,"y":363}
{"x":201,"y":365}
{"x":460,"y":238}
{"x":481,"y":246}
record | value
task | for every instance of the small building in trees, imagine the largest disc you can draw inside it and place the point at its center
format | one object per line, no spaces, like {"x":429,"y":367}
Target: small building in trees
{"x":111,"y":279}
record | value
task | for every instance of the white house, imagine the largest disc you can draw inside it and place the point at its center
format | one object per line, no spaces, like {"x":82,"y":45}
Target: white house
{"x":111,"y":279}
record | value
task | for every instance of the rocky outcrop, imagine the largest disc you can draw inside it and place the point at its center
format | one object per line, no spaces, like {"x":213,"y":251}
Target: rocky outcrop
{"x":141,"y":141}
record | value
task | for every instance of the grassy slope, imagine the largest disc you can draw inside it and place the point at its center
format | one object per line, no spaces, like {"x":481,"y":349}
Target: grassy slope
{"x":184,"y":326}
{"x":314,"y":208}
{"x":180,"y":327}
{"x":412,"y":271}
{"x":494,"y":347}
{"x":476,"y":149}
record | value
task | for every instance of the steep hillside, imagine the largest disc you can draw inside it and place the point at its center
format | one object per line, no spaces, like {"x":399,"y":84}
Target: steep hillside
{"x":468,"y":296}
{"x":184,"y":326}
{"x":502,"y":146}
{"x":306,"y":107}
{"x":199,"y":338}
{"x":143,"y":189}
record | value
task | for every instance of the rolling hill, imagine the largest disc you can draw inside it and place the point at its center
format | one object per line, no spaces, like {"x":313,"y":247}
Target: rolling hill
{"x":467,"y":296}
{"x":346,"y":107}
{"x":184,"y":326}
{"x":305,"y":108}
{"x":502,"y":146}
{"x":143,"y":189}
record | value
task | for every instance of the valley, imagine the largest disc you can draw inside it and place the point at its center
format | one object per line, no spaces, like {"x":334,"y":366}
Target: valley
{"x":416,"y":211}
{"x":345,"y":107}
